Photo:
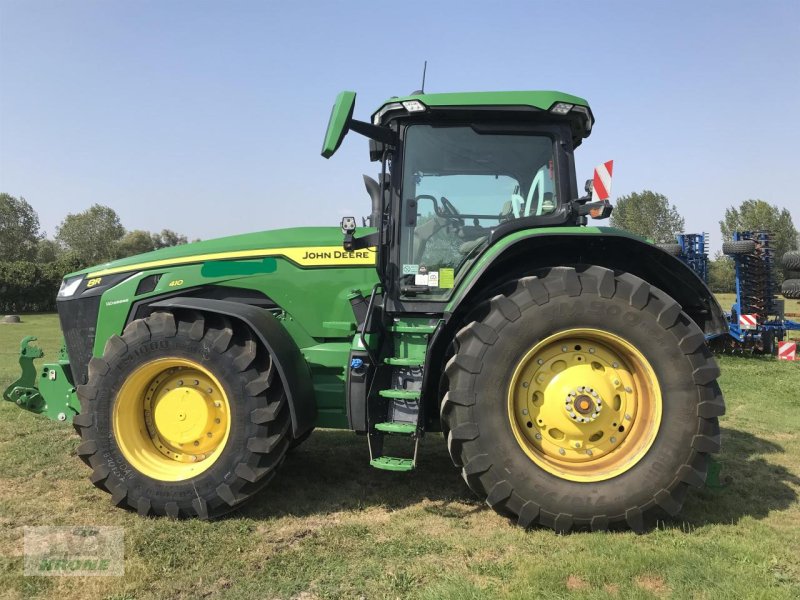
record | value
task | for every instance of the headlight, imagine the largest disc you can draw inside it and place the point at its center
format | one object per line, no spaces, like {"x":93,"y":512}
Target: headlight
{"x":69,"y":286}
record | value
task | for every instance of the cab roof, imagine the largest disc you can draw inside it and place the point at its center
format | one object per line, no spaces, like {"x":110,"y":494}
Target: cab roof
{"x":577,"y":111}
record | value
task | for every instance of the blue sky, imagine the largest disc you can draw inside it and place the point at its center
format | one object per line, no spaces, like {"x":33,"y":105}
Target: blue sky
{"x":208,"y":117}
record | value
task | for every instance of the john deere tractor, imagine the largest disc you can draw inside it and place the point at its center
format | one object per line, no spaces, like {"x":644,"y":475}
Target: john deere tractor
{"x":565,"y":365}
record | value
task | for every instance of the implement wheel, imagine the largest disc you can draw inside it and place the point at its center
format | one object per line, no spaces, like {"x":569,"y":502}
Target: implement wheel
{"x":791,"y":260}
{"x":791,"y":289}
{"x":582,"y":399}
{"x":738,"y":247}
{"x":182,"y":416}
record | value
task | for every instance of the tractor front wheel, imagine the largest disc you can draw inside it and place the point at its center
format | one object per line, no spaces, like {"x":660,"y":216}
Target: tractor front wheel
{"x":582,"y":399}
{"x":183,"y":415}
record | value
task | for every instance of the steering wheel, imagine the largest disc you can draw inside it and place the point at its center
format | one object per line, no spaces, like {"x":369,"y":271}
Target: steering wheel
{"x":451,"y":212}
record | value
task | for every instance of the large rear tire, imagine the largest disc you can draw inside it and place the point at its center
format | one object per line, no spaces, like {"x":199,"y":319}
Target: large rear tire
{"x":183,"y":416}
{"x":591,"y":358}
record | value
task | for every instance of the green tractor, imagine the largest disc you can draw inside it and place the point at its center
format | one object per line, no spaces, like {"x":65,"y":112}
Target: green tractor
{"x":565,"y":365}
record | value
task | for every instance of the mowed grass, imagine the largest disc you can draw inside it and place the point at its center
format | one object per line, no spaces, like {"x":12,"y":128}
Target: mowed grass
{"x":329,"y":526}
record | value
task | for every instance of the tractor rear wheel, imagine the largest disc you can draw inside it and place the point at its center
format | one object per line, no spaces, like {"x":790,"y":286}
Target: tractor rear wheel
{"x":184,"y":415}
{"x":737,"y":247}
{"x":791,"y":289}
{"x":582,"y":399}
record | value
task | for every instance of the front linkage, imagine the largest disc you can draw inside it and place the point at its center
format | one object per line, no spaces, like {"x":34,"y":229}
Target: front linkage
{"x":49,"y":392}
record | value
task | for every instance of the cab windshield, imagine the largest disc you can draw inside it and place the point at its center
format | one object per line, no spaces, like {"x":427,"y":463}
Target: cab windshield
{"x":459,"y":183}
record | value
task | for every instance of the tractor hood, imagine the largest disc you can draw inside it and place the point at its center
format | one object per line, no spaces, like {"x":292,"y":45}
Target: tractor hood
{"x":305,"y":246}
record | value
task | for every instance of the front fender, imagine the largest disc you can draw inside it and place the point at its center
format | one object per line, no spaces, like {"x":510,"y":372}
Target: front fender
{"x":292,"y":367}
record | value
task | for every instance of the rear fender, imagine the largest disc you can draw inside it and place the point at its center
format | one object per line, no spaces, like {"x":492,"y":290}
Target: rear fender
{"x":292,"y":367}
{"x":514,"y":257}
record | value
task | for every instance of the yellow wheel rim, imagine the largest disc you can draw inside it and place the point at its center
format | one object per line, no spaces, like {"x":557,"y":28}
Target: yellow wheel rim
{"x":171,"y":419}
{"x":584,"y":405}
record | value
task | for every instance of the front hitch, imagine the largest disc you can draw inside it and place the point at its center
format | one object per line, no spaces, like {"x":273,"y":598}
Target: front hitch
{"x":50,"y":392}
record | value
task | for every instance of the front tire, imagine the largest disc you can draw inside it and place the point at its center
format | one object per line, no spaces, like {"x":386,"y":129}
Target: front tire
{"x":579,"y":324}
{"x":183,"y":416}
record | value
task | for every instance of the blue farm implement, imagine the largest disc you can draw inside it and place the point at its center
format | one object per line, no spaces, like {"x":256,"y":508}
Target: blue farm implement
{"x":757,"y":321}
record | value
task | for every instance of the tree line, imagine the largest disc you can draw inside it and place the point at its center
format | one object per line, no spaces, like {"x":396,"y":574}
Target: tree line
{"x":650,"y":215}
{"x":32,"y":265}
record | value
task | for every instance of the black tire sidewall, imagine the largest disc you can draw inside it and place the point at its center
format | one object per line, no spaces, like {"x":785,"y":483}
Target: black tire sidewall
{"x":671,"y":447}
{"x":241,"y":427}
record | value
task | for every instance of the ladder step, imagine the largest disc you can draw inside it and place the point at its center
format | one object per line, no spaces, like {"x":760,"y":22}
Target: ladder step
{"x":396,"y":427}
{"x":426,"y":329}
{"x":404,"y":362}
{"x":390,"y":463}
{"x":400,"y":394}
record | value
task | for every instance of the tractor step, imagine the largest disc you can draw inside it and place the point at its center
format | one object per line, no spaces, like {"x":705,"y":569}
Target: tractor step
{"x":397,"y":361}
{"x":420,"y":329}
{"x":396,"y":427}
{"x":400,"y":394}
{"x":391,"y":463}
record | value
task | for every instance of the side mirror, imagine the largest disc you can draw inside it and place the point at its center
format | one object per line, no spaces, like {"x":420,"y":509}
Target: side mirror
{"x":588,"y":187}
{"x":339,"y":122}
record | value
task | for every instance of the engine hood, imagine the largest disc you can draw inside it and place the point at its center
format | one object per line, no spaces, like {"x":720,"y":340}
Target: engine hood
{"x":307,"y":246}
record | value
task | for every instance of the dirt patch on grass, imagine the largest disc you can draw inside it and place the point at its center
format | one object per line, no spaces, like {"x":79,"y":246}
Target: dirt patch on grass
{"x":653,"y":584}
{"x":575,"y":583}
{"x":612,"y":589}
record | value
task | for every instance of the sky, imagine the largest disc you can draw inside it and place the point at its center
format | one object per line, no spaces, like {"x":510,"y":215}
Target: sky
{"x":208,"y":117}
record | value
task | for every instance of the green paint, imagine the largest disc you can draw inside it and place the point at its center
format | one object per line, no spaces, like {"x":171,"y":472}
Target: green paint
{"x":400,"y":394}
{"x":230,"y":268}
{"x":390,"y":463}
{"x":50,"y":392}
{"x":470,"y":272}
{"x":337,"y":124}
{"x":398,"y":428}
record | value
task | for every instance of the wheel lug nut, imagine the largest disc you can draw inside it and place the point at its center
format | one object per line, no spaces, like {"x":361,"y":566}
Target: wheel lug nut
{"x":209,"y":390}
{"x":613,"y":440}
{"x":591,"y":350}
{"x":538,"y":436}
{"x":217,"y":421}
{"x":615,"y":365}
{"x":524,"y":412}
{"x":209,"y":434}
{"x":628,"y":390}
{"x":627,"y":417}
{"x":563,"y":348}
{"x":525,"y":384}
{"x":589,"y":452}
{"x":561,"y":451}
{"x":540,"y":361}
{"x":197,"y":443}
{"x":180,"y":382}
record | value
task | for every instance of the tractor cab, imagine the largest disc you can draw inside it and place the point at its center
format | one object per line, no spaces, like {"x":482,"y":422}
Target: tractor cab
{"x":459,"y":171}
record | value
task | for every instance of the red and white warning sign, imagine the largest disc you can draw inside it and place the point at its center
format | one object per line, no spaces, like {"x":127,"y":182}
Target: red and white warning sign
{"x":601,"y":183}
{"x":787,"y":350}
{"x":748,"y":321}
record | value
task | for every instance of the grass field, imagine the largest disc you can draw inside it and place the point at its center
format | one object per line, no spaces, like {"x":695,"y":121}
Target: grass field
{"x":329,"y":526}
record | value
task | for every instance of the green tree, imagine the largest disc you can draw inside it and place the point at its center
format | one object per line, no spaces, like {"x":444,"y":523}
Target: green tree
{"x":649,"y":215}
{"x":19,"y":229}
{"x":721,"y":274}
{"x":48,"y":251}
{"x":755,"y":215}
{"x":91,"y":235}
{"x":168,"y":238}
{"x":134,"y":242}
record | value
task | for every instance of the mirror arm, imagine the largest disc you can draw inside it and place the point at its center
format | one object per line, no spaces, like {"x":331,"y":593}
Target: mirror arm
{"x":373,"y":132}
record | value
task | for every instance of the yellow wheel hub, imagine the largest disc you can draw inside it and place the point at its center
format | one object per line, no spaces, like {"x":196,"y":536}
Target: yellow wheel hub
{"x":584,"y":405}
{"x":171,"y":419}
